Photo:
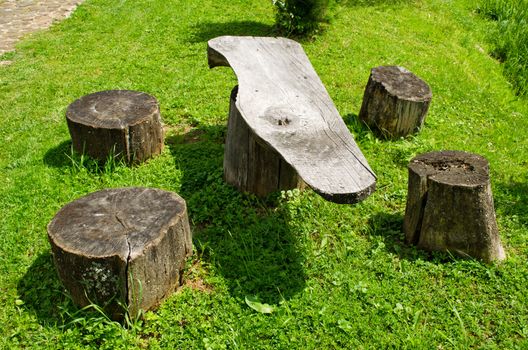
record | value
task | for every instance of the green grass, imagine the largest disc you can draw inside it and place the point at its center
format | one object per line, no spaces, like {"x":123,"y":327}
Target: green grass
{"x":509,"y":37}
{"x":336,"y":276}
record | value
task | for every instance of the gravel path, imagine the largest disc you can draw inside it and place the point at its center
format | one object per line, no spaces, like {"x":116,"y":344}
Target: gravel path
{"x":18,"y":18}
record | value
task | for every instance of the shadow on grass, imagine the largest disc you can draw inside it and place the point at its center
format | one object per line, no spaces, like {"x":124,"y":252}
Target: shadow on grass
{"x":59,"y":156}
{"x":42,"y":292}
{"x":205,"y":31}
{"x":354,"y":124}
{"x":246,"y":239}
{"x":513,"y":199}
{"x":388,"y":227}
{"x":365,"y":3}
{"x":62,"y":156}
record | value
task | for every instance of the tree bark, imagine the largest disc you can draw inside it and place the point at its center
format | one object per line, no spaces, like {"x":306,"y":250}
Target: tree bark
{"x":450,"y":205}
{"x":395,"y":102}
{"x":249,"y":164}
{"x":121,"y":123}
{"x":122,"y":249}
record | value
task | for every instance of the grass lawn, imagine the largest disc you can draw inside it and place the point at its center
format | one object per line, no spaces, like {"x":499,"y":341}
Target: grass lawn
{"x":337,"y":276}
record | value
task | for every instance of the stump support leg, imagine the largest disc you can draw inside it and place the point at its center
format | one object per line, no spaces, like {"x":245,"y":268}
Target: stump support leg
{"x":249,"y":164}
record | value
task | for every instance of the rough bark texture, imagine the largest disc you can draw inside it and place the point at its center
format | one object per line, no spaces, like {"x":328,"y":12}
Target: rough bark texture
{"x":395,"y":102}
{"x":450,"y":205}
{"x":123,"y":246}
{"x":249,"y":164}
{"x":290,"y":116}
{"x":123,"y":123}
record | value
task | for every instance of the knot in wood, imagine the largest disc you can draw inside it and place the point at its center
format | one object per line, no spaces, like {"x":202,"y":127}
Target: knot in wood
{"x":280,"y":117}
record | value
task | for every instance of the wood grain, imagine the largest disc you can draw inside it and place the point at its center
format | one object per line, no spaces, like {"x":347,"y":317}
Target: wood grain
{"x":285,"y":104}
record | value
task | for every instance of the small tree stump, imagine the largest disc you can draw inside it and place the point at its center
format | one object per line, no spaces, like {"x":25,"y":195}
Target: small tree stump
{"x":249,"y":164}
{"x":450,"y":205}
{"x":121,"y":123}
{"x":123,"y":249}
{"x":395,"y":101}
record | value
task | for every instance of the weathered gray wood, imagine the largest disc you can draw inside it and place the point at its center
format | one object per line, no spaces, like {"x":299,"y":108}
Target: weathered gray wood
{"x":450,"y":205}
{"x":285,"y":105}
{"x":121,"y":246}
{"x":249,"y":164}
{"x":395,"y":102}
{"x":123,"y":123}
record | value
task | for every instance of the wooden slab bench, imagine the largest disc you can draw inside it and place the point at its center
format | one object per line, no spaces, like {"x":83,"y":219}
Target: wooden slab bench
{"x":288,"y":112}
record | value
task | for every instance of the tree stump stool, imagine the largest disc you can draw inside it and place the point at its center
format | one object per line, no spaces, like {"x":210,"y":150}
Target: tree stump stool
{"x":121,"y":123}
{"x":395,"y":102}
{"x":450,"y":205}
{"x":123,"y":249}
{"x":249,"y":164}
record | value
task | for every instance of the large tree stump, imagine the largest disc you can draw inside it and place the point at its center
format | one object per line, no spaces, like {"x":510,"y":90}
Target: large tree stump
{"x":123,"y":249}
{"x":395,"y":102}
{"x":450,"y":205}
{"x":249,"y":164}
{"x":121,"y":123}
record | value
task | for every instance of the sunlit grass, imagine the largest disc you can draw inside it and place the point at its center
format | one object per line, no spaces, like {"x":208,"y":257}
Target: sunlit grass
{"x":509,"y":38}
{"x":335,"y":276}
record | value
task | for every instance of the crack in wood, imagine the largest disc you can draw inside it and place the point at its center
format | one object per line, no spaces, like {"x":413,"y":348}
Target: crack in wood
{"x":128,"y":258}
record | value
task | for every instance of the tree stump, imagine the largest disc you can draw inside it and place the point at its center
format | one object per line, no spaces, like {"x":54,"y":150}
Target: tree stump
{"x":450,"y":205}
{"x":395,"y":102}
{"x":122,"y":249}
{"x":121,"y":123}
{"x":249,"y":164}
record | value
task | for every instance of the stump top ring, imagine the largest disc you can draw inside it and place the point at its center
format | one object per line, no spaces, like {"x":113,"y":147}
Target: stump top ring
{"x":402,"y":83}
{"x":114,"y":109}
{"x":115,"y":222}
{"x":453,"y":167}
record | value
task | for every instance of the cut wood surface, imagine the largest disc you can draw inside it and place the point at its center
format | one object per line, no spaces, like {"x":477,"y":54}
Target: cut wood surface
{"x":123,"y":123}
{"x":285,"y":104}
{"x":125,"y":245}
{"x":450,"y":205}
{"x":395,"y":101}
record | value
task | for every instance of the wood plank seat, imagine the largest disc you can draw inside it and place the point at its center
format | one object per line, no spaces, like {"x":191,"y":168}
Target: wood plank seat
{"x":289,"y":112}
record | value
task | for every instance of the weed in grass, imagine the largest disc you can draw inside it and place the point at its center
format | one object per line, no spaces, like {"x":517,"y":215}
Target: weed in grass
{"x":300,"y":17}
